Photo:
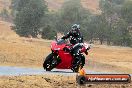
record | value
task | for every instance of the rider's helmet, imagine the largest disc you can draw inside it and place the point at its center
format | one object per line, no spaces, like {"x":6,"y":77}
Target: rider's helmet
{"x":75,"y":28}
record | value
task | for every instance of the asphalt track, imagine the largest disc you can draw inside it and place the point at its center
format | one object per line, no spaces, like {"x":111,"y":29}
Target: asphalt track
{"x":17,"y":71}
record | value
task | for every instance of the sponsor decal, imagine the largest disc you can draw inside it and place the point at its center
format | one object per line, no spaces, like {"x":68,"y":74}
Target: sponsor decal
{"x":84,"y":78}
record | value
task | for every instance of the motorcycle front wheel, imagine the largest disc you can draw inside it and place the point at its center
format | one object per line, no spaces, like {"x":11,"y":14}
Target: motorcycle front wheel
{"x":47,"y":65}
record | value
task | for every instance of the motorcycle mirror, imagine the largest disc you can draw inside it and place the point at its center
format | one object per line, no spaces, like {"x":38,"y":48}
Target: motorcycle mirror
{"x":91,"y":46}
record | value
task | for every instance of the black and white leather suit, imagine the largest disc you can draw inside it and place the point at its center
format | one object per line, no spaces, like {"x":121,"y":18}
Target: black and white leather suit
{"x":76,"y":39}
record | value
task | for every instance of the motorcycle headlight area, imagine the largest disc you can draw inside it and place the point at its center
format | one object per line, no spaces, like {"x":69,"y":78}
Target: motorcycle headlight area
{"x":56,"y":48}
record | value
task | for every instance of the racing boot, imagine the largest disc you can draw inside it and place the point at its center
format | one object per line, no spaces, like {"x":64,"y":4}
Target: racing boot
{"x":75,"y":64}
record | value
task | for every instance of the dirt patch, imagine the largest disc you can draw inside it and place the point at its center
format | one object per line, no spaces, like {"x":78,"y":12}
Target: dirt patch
{"x":113,"y":57}
{"x":92,"y":5}
{"x":6,"y":32}
{"x":5,"y":4}
{"x":45,"y":81}
{"x":107,"y":68}
{"x":23,"y":53}
{"x":54,"y":5}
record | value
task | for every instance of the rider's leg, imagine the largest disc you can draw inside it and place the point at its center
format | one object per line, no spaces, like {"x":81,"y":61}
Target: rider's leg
{"x":75,"y":51}
{"x":83,"y":59}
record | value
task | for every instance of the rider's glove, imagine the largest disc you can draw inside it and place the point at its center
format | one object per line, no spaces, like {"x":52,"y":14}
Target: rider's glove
{"x":86,"y":52}
{"x":66,"y":49}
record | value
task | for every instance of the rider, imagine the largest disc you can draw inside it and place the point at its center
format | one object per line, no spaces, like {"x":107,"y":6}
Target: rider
{"x":76,"y":39}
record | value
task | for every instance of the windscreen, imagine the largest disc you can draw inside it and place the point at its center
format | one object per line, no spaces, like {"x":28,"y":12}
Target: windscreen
{"x":61,"y":41}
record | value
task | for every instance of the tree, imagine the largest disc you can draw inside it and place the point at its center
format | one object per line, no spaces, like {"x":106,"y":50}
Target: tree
{"x":48,"y":32}
{"x":17,"y":5}
{"x":126,"y":11}
{"x":101,"y":28}
{"x":121,"y":34}
{"x":5,"y":14}
{"x":72,"y":12}
{"x":28,"y":18}
{"x":111,"y":12}
{"x":118,"y":2}
{"x":88,"y":27}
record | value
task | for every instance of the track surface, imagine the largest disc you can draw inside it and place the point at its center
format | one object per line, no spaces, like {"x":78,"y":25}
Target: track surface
{"x":16,"y":71}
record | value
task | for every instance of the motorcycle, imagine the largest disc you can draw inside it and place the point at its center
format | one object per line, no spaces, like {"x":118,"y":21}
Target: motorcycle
{"x":60,"y":58}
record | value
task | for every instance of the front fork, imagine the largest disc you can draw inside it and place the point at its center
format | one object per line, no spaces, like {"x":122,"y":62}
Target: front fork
{"x":56,"y":60}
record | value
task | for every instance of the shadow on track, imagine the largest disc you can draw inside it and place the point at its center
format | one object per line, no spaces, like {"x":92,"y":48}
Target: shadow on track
{"x":61,"y":72}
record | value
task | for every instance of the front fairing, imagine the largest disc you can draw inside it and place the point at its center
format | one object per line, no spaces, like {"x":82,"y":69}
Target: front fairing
{"x":65,"y":57}
{"x":55,"y":46}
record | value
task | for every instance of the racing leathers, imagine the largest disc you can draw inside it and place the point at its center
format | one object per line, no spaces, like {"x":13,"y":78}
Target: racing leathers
{"x":76,"y":39}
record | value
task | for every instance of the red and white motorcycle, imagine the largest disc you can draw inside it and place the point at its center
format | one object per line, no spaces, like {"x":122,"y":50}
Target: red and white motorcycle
{"x":61,"y":59}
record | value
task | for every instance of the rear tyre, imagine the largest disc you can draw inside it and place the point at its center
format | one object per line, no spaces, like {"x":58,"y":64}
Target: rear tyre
{"x":81,"y":80}
{"x":47,"y":65}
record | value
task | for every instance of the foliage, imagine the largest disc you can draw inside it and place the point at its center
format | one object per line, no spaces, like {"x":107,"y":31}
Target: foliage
{"x":28,"y":18}
{"x":126,"y":11}
{"x":71,"y":13}
{"x":112,"y":26}
{"x":5,"y":14}
{"x":48,"y":32}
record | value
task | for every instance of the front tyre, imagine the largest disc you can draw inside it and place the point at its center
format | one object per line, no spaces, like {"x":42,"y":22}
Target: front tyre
{"x":81,"y":80}
{"x":47,"y":65}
